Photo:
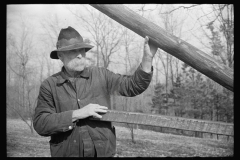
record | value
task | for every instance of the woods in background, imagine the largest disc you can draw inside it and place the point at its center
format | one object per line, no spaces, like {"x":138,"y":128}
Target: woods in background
{"x":176,"y":88}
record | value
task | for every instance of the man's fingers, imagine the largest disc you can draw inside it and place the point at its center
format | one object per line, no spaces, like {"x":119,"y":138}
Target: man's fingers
{"x":97,"y":115}
{"x":101,"y":110}
{"x":152,"y":47}
{"x":102,"y":107}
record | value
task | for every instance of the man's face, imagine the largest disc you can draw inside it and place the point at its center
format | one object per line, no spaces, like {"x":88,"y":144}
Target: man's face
{"x":74,"y":60}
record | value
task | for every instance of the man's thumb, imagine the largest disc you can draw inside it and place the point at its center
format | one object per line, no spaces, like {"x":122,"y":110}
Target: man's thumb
{"x":146,"y":40}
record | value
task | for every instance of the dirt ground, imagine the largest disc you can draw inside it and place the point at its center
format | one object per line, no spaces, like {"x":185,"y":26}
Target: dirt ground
{"x":21,"y":143}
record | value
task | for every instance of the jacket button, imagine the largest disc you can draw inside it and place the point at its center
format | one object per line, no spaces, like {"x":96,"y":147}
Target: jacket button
{"x":78,"y":100}
{"x":74,"y":141}
{"x":70,"y":127}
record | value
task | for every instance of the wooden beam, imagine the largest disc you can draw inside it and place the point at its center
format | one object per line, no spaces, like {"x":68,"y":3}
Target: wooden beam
{"x":188,"y":124}
{"x":182,"y":50}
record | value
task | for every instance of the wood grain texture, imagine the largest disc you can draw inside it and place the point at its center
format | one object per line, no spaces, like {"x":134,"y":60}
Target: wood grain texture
{"x":182,"y":50}
{"x":168,"y":121}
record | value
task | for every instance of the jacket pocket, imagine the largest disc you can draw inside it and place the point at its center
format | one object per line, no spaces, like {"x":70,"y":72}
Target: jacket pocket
{"x":56,"y":149}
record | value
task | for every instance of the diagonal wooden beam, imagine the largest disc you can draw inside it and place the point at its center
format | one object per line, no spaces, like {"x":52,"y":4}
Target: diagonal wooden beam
{"x":182,"y":50}
{"x":204,"y":126}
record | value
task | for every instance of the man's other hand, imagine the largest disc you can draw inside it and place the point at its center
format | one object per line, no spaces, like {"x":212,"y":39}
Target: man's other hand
{"x":89,"y":110}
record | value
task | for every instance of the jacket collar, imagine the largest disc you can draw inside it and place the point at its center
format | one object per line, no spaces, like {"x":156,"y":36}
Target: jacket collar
{"x":63,"y":76}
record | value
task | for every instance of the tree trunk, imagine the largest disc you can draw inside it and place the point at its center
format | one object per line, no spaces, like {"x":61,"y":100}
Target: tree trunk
{"x":156,"y":72}
{"x":167,"y":79}
{"x":97,"y":55}
{"x":113,"y":102}
{"x":171,"y":69}
{"x":132,"y":135}
{"x":23,"y":94}
{"x":126,"y":104}
{"x":201,"y":133}
{"x":31,"y":127}
{"x":182,"y":50}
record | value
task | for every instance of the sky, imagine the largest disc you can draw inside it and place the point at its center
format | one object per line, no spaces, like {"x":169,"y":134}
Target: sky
{"x":35,"y":11}
{"x":34,"y":14}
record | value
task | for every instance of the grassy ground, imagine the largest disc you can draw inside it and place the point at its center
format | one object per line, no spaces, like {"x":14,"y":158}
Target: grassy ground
{"x":21,"y":143}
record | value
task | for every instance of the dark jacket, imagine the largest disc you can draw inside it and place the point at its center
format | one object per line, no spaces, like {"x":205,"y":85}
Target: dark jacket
{"x":58,"y":97}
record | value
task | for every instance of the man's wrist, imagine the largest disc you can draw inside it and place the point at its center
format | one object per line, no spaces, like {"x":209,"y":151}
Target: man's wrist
{"x":147,"y":63}
{"x":147,"y":57}
{"x":147,"y":66}
{"x":74,"y":115}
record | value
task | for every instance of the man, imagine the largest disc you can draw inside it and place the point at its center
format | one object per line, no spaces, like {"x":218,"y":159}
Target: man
{"x":68,"y":98}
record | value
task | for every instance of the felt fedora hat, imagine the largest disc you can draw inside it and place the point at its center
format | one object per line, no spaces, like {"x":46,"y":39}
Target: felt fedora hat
{"x":69,"y":39}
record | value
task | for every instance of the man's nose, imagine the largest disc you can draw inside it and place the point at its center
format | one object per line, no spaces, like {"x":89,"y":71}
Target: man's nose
{"x":79,"y":56}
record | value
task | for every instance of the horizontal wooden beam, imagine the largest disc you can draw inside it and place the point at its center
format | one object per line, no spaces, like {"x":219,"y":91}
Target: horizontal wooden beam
{"x":168,"y":121}
{"x":182,"y":50}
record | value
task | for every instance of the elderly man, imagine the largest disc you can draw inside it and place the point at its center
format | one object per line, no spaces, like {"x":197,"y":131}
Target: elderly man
{"x":68,"y":98}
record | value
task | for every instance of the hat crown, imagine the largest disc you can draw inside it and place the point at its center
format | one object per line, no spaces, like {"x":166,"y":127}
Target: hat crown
{"x":68,"y":33}
{"x":68,"y":36}
{"x":69,"y":39}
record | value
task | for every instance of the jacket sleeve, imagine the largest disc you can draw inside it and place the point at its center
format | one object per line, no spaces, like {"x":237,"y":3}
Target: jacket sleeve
{"x":46,"y":121}
{"x":128,"y":86}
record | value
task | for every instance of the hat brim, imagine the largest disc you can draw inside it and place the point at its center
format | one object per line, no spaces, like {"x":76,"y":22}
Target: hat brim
{"x":87,"y":47}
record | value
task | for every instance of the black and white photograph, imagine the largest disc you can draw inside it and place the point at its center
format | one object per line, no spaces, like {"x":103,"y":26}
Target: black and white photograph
{"x":120,"y":80}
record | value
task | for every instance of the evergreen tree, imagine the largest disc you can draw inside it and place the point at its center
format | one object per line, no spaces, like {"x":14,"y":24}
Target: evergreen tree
{"x":158,"y":99}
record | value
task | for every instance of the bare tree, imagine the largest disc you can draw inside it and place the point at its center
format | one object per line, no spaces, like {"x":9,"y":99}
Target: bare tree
{"x":105,"y":34}
{"x":220,"y":20}
{"x":137,"y":104}
{"x":21,"y":50}
{"x":51,"y":27}
{"x":156,"y":61}
{"x":177,"y":8}
{"x":225,"y":16}
{"x":164,"y":58}
{"x":128,"y":39}
{"x":43,"y":61}
{"x":173,"y":24}
{"x":217,"y":28}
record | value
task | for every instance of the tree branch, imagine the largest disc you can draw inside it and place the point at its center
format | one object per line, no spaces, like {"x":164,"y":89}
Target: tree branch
{"x":181,"y":7}
{"x":18,"y":113}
